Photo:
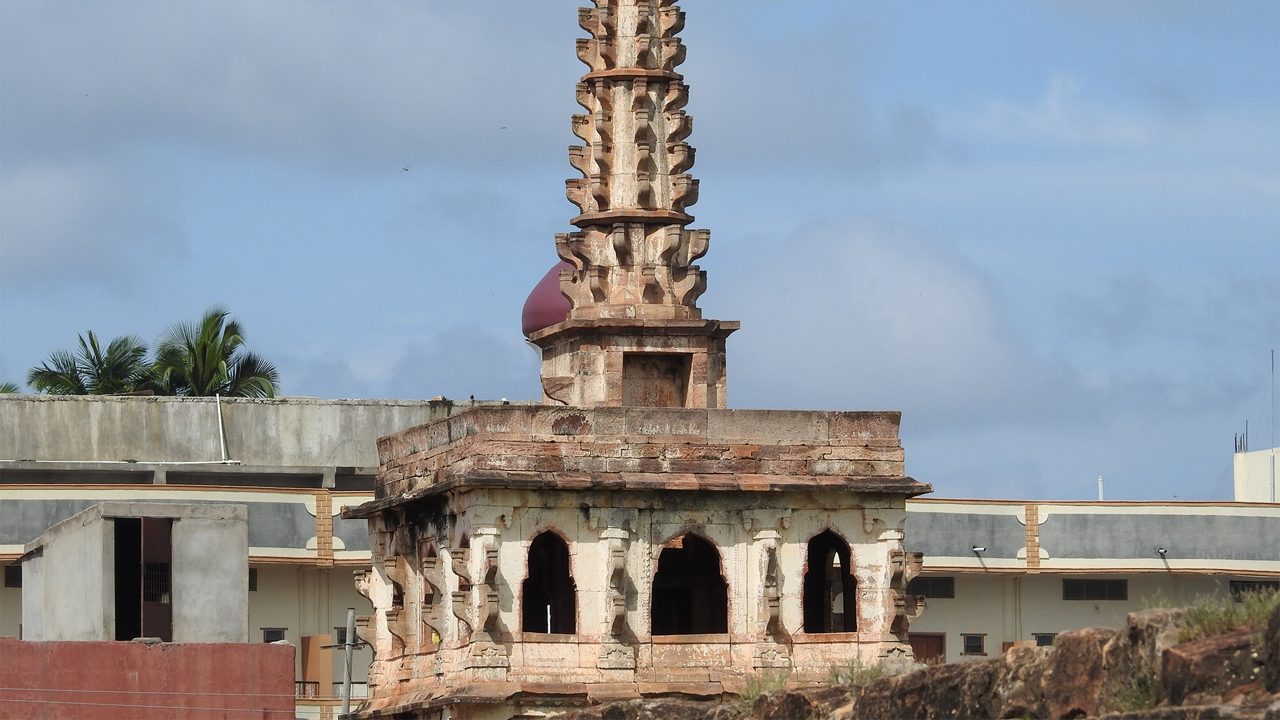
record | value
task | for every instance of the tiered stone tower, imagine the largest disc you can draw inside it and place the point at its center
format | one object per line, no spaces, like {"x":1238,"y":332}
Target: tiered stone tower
{"x":629,"y":537}
{"x":634,"y":334}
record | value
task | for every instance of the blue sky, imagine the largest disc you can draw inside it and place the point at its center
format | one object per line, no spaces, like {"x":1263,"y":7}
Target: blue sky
{"x":1048,"y":232}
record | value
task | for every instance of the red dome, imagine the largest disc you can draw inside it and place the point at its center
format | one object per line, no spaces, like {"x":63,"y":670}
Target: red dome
{"x":546,"y":305}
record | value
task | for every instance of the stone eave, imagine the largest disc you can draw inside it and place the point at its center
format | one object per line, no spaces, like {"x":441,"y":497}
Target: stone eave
{"x":693,"y":326}
{"x":643,"y":483}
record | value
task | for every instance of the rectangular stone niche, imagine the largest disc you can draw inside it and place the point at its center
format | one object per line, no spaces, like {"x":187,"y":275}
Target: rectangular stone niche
{"x":655,"y":379}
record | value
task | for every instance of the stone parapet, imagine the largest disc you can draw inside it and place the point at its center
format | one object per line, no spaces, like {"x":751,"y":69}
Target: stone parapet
{"x":532,"y":447}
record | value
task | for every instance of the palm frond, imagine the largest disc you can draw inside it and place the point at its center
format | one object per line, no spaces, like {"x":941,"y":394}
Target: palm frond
{"x":252,"y":376}
{"x":59,"y":375}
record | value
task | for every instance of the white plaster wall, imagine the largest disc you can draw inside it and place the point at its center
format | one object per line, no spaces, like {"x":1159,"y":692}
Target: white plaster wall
{"x":307,"y":600}
{"x":1012,"y":608}
{"x":1254,"y":475}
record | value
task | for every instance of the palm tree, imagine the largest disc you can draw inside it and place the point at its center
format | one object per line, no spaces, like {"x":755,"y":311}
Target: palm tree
{"x":121,"y":368}
{"x":9,"y":388}
{"x":208,"y":358}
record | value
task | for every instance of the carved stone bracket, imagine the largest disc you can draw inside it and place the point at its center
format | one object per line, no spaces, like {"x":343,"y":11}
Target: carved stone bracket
{"x":489,"y":593}
{"x":905,"y":566}
{"x":433,"y":597}
{"x":462,"y":596}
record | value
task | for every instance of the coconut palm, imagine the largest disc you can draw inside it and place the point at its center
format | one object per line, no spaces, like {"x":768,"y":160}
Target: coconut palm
{"x":121,"y":368}
{"x":9,"y":388}
{"x":208,"y":358}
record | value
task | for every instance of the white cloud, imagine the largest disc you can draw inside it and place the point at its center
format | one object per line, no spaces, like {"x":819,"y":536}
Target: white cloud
{"x":356,"y":84}
{"x":1062,"y":115}
{"x":865,"y":316}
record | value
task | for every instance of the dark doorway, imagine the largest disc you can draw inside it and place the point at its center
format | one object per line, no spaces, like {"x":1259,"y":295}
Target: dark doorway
{"x":144,"y":578}
{"x":654,"y":380}
{"x":830,"y":592}
{"x":549,"y":593}
{"x":690,"y":597}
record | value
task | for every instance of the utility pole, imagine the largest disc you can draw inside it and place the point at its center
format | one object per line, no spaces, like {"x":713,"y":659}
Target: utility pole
{"x":347,"y":649}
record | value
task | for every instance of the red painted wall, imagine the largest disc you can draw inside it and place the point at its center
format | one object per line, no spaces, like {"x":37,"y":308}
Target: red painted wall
{"x":91,"y":680}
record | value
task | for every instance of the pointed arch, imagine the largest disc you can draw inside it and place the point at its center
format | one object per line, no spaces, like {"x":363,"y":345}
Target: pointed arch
{"x":830,"y":592}
{"x":690,"y":595}
{"x":549,"y":594}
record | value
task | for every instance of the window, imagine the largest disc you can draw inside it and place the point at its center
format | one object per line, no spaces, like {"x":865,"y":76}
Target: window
{"x":830,"y":592}
{"x":270,"y":635}
{"x":1238,"y":587}
{"x":1044,"y":639}
{"x":549,"y":594}
{"x":253,"y":579}
{"x":690,"y":596}
{"x":13,"y":576}
{"x":933,"y":587}
{"x":974,"y":644}
{"x":1095,"y":589}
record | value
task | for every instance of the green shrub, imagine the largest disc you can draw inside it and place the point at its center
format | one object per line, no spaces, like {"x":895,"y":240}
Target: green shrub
{"x":1222,"y":614}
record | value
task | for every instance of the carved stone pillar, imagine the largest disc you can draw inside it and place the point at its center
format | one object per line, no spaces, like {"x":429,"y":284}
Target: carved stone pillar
{"x":889,"y":523}
{"x":487,"y":650}
{"x":772,"y":649}
{"x":618,"y":650}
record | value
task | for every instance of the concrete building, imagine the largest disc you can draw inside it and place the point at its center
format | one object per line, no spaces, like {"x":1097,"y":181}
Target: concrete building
{"x":293,"y":465}
{"x":125,"y":570}
{"x":999,"y":572}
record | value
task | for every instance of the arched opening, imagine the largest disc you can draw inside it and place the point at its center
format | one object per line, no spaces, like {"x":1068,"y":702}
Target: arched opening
{"x":690,"y":597}
{"x":830,"y":592}
{"x":549,"y":594}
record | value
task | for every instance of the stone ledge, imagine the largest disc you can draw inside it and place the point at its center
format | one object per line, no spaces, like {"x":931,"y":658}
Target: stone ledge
{"x":641,"y":482}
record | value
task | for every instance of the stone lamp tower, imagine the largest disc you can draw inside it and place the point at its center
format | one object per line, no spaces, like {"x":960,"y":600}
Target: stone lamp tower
{"x":633,"y":334}
{"x":630,"y":536}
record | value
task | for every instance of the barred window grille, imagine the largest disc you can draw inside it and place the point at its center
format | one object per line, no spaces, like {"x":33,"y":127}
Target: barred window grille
{"x":156,"y":581}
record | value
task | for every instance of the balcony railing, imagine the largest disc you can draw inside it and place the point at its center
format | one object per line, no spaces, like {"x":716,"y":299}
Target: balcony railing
{"x":306,"y":689}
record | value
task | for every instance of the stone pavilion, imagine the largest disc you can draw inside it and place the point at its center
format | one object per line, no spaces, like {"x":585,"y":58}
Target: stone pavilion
{"x":630,"y":536}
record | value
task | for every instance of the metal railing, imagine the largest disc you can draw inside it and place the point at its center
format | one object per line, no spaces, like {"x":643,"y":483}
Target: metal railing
{"x":306,"y":689}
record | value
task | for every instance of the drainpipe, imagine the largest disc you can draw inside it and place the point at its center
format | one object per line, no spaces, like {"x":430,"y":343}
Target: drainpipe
{"x":222,"y":435}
